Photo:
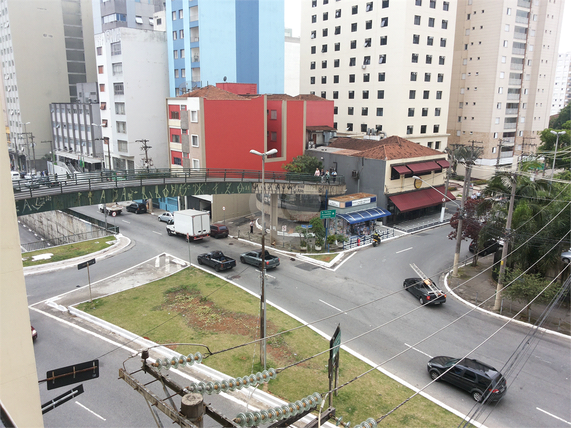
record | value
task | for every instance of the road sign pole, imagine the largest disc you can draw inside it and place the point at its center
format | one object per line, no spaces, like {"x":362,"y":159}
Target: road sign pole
{"x":89,"y":281}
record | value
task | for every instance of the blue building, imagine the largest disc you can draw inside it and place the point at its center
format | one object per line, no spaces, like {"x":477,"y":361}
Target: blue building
{"x":240,"y":40}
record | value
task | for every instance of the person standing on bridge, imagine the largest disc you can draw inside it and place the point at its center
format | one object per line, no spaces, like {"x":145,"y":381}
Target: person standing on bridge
{"x":317,"y":173}
{"x":251,"y":226}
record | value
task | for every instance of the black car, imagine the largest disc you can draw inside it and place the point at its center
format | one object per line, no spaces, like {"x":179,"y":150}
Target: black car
{"x":483,"y":382}
{"x":137,"y":207}
{"x":425,"y":291}
{"x":489,"y":247}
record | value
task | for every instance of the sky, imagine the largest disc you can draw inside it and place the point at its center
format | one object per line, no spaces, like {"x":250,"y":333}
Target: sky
{"x":293,"y":13}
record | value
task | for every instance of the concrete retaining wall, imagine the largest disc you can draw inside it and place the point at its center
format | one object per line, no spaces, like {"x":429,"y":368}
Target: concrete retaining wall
{"x":57,"y":224}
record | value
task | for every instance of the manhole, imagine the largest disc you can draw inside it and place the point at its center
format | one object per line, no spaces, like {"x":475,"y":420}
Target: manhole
{"x":307,"y":266}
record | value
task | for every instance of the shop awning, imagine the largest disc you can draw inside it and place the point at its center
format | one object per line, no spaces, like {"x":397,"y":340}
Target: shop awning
{"x":365,"y":215}
{"x":443,"y":163}
{"x":402,"y":169}
{"x":420,"y":199}
{"x":424,"y":167}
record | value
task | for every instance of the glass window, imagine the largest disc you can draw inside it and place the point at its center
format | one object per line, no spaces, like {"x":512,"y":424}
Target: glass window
{"x":431,"y":22}
{"x":444,"y":24}
{"x":409,"y":129}
{"x":381,"y":77}
{"x":384,"y":40}
{"x":411,"y":94}
{"x":380,"y":94}
{"x":411,"y":112}
{"x":413,"y":76}
{"x":415,"y":39}
{"x":385,"y":22}
{"x":416,"y":19}
{"x":430,"y":40}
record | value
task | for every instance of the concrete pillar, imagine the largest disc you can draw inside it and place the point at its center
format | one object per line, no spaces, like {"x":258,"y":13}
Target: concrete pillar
{"x":192,"y":406}
{"x":274,"y":218}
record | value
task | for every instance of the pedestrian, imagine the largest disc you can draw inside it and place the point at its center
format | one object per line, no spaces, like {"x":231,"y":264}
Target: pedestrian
{"x":251,"y":226}
{"x":317,"y":173}
{"x":327,"y":176}
{"x":334,"y":175}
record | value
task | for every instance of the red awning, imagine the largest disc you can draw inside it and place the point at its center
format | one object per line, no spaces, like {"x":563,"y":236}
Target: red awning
{"x":424,"y":167}
{"x":443,"y":163}
{"x":420,"y":199}
{"x":402,"y":169}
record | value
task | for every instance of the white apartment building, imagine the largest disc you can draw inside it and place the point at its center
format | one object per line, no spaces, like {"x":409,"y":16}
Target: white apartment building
{"x":387,"y":65}
{"x":505,"y":54}
{"x":562,"y":86}
{"x":132,"y":91}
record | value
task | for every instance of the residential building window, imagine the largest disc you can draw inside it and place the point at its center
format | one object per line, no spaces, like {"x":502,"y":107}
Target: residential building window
{"x":325,"y":16}
{"x":351,"y":95}
{"x":313,"y":49}
{"x":119,"y":108}
{"x":431,"y":22}
{"x":440,"y":77}
{"x":335,"y":95}
{"x":139,"y":20}
{"x":99,"y":50}
{"x":379,"y":111}
{"x":380,"y":94}
{"x":430,"y":40}
{"x":416,"y":19}
{"x":350,"y":111}
{"x":324,"y":64}
{"x":442,"y":42}
{"x":382,"y":59}
{"x":353,"y":44}
{"x":175,"y":138}
{"x":418,"y":2}
{"x":338,"y":30}
{"x":121,"y":127}
{"x":324,"y":32}
{"x":174,"y":15}
{"x":176,"y":73}
{"x":385,"y":21}
{"x":312,"y":65}
{"x":427,"y":77}
{"x":433,"y":4}
{"x":103,"y":105}
{"x":446,"y":6}
{"x":335,"y":111}
{"x":437,"y":111}
{"x":367,"y":43}
{"x":337,"y":46}
{"x":194,"y":116}
{"x":338,"y":13}
{"x":437,"y":145}
{"x":323,"y":48}
{"x":409,"y":129}
{"x":122,"y":146}
{"x":365,"y":95}
{"x":429,"y":59}
{"x":413,"y":76}
{"x":441,"y":60}
{"x":175,"y":54}
{"x":335,"y":63}
{"x":368,"y":25}
{"x":385,"y":4}
{"x":423,"y":129}
{"x":194,"y":141}
{"x":366,"y":60}
{"x":115,"y":48}
{"x":354,"y":10}
{"x":352,"y":62}
{"x":444,"y":24}
{"x":100,"y":69}
{"x":438,"y":95}
{"x":323,"y":80}
{"x":349,"y":127}
{"x":435,"y":129}
{"x":424,"y":112}
{"x":415,"y":39}
{"x":429,"y":144}
{"x":414,"y":58}
{"x":369,"y":7}
{"x":411,"y":112}
{"x":312,"y":80}
{"x":411,"y":94}
{"x":101,"y":87}
{"x":384,"y":40}
{"x":353,"y":27}
{"x":313,"y":19}
{"x":364,"y":111}
{"x":366,"y":77}
{"x":381,"y":77}
{"x":174,"y":33}
{"x":336,"y":78}
{"x":273,"y":136}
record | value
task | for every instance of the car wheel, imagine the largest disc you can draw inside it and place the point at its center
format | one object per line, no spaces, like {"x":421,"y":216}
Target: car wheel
{"x":217,"y":268}
{"x":169,"y":232}
{"x":434,"y":374}
{"x":114,"y":214}
{"x":477,"y":396}
{"x":242,"y":260}
{"x":200,"y":262}
{"x":421,"y":300}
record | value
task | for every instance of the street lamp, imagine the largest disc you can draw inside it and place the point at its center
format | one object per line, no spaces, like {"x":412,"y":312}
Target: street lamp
{"x":27,"y":146}
{"x":108,"y":147}
{"x":556,"y":143}
{"x":416,"y":177}
{"x":263,"y":292}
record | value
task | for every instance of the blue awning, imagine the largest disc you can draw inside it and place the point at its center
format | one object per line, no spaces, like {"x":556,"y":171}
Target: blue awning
{"x":365,"y":215}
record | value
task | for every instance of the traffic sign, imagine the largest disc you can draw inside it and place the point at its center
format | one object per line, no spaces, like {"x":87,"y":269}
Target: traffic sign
{"x":72,"y":374}
{"x":85,"y":264}
{"x":327,"y":214}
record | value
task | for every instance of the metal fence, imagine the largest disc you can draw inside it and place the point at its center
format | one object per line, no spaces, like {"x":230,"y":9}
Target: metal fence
{"x":359,"y":241}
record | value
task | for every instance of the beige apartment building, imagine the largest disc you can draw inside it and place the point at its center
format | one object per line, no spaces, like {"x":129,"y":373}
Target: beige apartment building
{"x":505,"y":54}
{"x":387,"y":65}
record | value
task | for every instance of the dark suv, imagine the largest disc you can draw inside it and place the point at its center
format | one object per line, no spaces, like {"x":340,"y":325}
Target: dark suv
{"x":218,"y":230}
{"x":137,"y":207}
{"x":483,"y":382}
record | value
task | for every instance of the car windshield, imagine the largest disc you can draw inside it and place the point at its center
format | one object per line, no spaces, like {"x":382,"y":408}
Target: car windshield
{"x":451,"y":362}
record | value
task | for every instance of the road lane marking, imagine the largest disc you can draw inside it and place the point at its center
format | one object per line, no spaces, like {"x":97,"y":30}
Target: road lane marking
{"x":545,"y":361}
{"x":402,"y":251}
{"x":343,"y":262}
{"x":418,"y":350}
{"x":553,"y":416}
{"x":90,"y":411}
{"x":125,"y":221}
{"x":158,"y":233}
{"x":337,"y":309}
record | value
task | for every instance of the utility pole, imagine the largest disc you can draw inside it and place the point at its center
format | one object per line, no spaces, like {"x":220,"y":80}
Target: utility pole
{"x":145,"y":148}
{"x":500,"y":142}
{"x":33,"y":149}
{"x":106,"y":140}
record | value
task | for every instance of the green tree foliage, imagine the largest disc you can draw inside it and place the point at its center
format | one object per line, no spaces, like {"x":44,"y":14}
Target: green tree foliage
{"x":561,"y":121}
{"x":526,"y":287}
{"x":317,"y":227}
{"x":547,"y":147}
{"x":303,"y":164}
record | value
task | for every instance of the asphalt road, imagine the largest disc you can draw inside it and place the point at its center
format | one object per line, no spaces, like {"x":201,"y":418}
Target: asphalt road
{"x":539,"y":391}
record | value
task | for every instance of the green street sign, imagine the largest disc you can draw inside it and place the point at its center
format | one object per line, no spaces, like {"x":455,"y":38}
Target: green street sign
{"x":327,"y":214}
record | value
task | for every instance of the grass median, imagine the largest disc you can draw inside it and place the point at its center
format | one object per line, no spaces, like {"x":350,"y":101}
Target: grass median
{"x":193,"y":306}
{"x":66,"y":252}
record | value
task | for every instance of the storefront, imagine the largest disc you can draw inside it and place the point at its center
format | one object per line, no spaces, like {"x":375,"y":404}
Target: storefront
{"x":356,"y":215}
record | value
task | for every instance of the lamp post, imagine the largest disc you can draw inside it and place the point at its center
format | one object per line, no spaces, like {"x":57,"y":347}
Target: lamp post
{"x":105,"y":139}
{"x":27,"y":146}
{"x":556,"y":144}
{"x":263,"y":291}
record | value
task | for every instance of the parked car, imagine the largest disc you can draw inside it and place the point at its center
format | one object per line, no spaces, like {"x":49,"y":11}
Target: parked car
{"x":167,"y":217}
{"x":255,"y":258}
{"x":489,"y":247}
{"x":566,"y":257}
{"x":34,"y":334}
{"x":217,"y":260}
{"x":426,"y":292}
{"x":483,"y":382}
{"x":218,"y":230}
{"x":137,"y":207}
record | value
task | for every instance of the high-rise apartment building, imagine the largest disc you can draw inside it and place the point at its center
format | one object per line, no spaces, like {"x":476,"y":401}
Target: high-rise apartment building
{"x":386,"y":64}
{"x":562,"y":85}
{"x":131,"y":56}
{"x":505,"y":54}
{"x":210,"y":41}
{"x":46,"y":47}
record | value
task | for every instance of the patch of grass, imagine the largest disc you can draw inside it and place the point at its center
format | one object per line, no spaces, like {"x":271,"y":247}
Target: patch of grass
{"x":195,"y":307}
{"x":323,"y":257}
{"x":65,"y":252}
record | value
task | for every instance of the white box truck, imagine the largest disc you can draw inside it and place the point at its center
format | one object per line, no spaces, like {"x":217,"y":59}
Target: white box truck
{"x":192,"y":224}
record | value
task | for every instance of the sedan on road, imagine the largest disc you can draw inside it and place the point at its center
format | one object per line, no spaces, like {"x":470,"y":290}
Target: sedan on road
{"x":167,"y":217}
{"x":483,"y":382}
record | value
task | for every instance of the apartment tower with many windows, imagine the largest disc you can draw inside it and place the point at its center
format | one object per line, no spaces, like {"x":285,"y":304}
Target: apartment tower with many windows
{"x":505,"y":54}
{"x":386,"y":64}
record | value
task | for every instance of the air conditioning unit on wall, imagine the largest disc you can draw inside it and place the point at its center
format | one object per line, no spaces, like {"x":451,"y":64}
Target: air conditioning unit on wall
{"x":355,"y":174}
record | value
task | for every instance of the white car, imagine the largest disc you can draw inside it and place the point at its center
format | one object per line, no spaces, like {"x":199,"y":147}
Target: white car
{"x":167,"y":217}
{"x":566,"y":257}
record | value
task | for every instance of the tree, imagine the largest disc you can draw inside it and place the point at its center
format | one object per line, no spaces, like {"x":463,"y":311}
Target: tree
{"x":471,"y":224}
{"x":547,"y":148}
{"x":527,"y":287}
{"x":318,"y":230}
{"x":558,"y":122}
{"x":303,"y":164}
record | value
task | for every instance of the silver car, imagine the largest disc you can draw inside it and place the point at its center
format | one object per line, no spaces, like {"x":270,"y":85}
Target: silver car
{"x":167,"y":217}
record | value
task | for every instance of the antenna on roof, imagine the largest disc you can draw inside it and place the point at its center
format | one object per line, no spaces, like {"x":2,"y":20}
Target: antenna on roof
{"x":224,"y":78}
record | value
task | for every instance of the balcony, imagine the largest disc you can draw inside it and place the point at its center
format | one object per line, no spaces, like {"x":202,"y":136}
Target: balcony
{"x":514,"y":97}
{"x":524,"y":3}
{"x":518,"y":51}
{"x":511,"y":111}
{"x":516,"y":66}
{"x":520,"y":36}
{"x":515,"y":82}
{"x":510,"y":125}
